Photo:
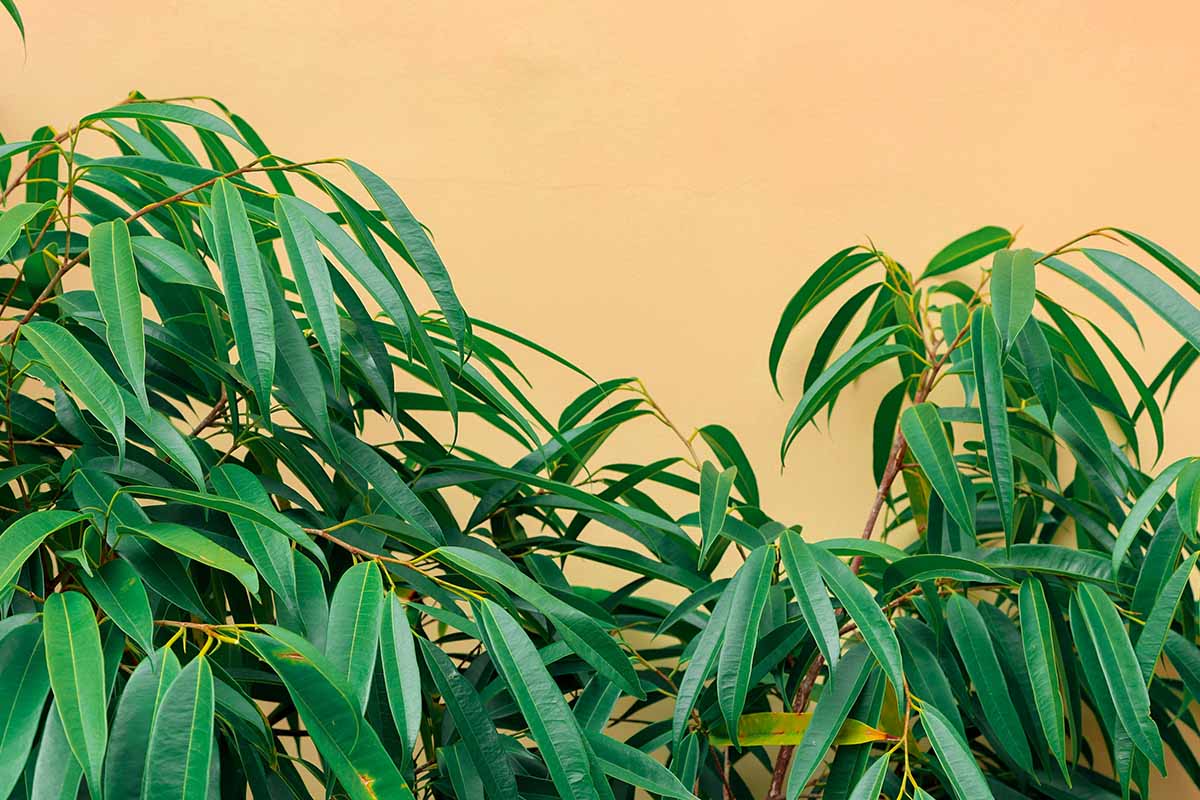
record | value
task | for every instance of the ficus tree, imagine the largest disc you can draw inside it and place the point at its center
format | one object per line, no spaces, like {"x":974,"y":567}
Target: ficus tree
{"x":245,"y":547}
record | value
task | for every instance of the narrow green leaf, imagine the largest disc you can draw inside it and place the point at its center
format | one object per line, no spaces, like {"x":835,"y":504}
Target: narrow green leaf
{"x":1152,"y":290}
{"x":1154,"y":634}
{"x":922,"y":429}
{"x":552,"y":726}
{"x":124,"y":764}
{"x":473,"y":723}
{"x":749,"y":586}
{"x":1145,"y":504}
{"x":75,"y":661}
{"x":988,"y":358}
{"x":840,"y":692}
{"x":1187,"y":498}
{"x":361,"y":460}
{"x":192,"y":544}
{"x":1041,"y":659}
{"x":811,"y":594}
{"x":875,"y":628}
{"x":401,"y":675}
{"x":114,"y":276}
{"x":970,"y":634}
{"x":14,"y":220}
{"x":312,"y":279}
{"x":181,"y":738}
{"x":169,"y":112}
{"x":119,"y":592}
{"x":165,"y":436}
{"x":967,"y":249}
{"x":333,"y":719}
{"x":870,"y":784}
{"x":730,"y":453}
{"x":25,"y":683}
{"x":245,"y":291}
{"x":355,"y":616}
{"x":268,"y":549}
{"x":1013,"y":292}
{"x":170,"y":263}
{"x":1121,"y":671}
{"x":20,"y":539}
{"x":701,"y":665}
{"x":958,"y":763}
{"x":630,"y":765}
{"x":715,"y":487}
{"x":75,"y":367}
{"x":1039,"y":366}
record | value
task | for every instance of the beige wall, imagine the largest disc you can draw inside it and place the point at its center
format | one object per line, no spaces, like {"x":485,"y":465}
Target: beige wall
{"x":643,"y":185}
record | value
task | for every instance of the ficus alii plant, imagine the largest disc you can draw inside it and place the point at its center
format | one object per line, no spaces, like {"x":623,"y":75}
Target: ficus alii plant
{"x":246,"y":550}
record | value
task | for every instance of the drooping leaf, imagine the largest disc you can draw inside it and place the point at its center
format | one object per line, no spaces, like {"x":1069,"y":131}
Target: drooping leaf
{"x":124,"y":764}
{"x":355,"y":617}
{"x":181,"y":737}
{"x":1041,"y":659}
{"x":20,"y":539}
{"x":715,"y":486}
{"x":967,"y":249}
{"x":196,"y":546}
{"x":811,"y":594}
{"x":630,"y":765}
{"x":26,"y":683}
{"x":988,"y":358}
{"x":119,"y":592}
{"x":750,"y":587}
{"x":1013,"y":292}
{"x":398,"y":655}
{"x":922,"y":429}
{"x":958,"y":764}
{"x":119,"y":296}
{"x":75,"y":662}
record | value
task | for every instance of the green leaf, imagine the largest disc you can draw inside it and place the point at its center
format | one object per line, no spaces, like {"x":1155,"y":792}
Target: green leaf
{"x":11,"y":7}
{"x":875,"y":628}
{"x":76,"y":664}
{"x":811,"y":594}
{"x":168,"y":112}
{"x":582,"y":633}
{"x":196,"y":546}
{"x":75,"y":367}
{"x":1121,"y":671}
{"x":170,"y":263}
{"x":837,"y":697}
{"x":551,"y":725}
{"x":332,"y":718}
{"x":958,"y":763}
{"x":922,"y":429}
{"x":119,"y":296}
{"x":988,"y":358}
{"x":312,"y":279}
{"x":1039,"y":366}
{"x":630,"y":765}
{"x":13,"y":221}
{"x":368,"y":466}
{"x":119,"y":592}
{"x":865,"y":354}
{"x":1187,"y":499}
{"x":700,"y":666}
{"x":1154,"y":634}
{"x":268,"y":549}
{"x":355,"y":616}
{"x":1152,"y":290}
{"x":840,"y":267}
{"x":870,"y":784}
{"x":1013,"y":292}
{"x":21,"y":538}
{"x":749,"y":586}
{"x":473,"y":723}
{"x":1145,"y":504}
{"x":124,"y":764}
{"x":1042,"y":660}
{"x":715,"y":487}
{"x":968,"y":249}
{"x":730,"y":453}
{"x":245,"y":291}
{"x":970,"y":634}
{"x":401,"y":675}
{"x":26,"y":683}
{"x":181,"y":738}
{"x":165,"y":437}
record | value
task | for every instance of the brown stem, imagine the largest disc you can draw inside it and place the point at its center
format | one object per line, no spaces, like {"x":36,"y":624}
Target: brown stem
{"x":212,"y":415}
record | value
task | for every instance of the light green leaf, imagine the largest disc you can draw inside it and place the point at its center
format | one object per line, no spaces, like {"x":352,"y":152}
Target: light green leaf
{"x":119,"y":296}
{"x":76,"y":665}
{"x":715,"y":487}
{"x":552,"y":726}
{"x":75,"y":367}
{"x":970,"y":634}
{"x":13,"y":221}
{"x":355,"y":615}
{"x":192,"y":544}
{"x":749,"y":587}
{"x":1121,"y":671}
{"x":988,"y":358}
{"x":1013,"y":292}
{"x":967,"y":249}
{"x":480,"y":738}
{"x":119,"y":592}
{"x":958,"y":763}
{"x":181,"y":739}
{"x":25,"y":683}
{"x":922,"y":429}
{"x":245,"y":291}
{"x":811,"y":594}
{"x":401,"y":675}
{"x":20,"y":539}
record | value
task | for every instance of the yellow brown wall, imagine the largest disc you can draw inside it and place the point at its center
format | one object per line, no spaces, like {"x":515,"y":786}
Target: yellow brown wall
{"x":642,"y":185}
